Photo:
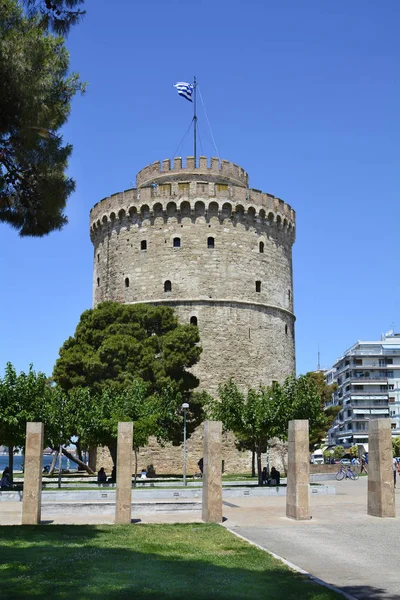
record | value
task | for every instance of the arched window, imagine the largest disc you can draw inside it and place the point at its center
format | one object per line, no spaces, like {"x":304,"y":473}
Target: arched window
{"x":261,"y":247}
{"x":143,"y":245}
{"x":127,"y":282}
{"x":193,"y":320}
{"x":98,"y":281}
{"x":286,"y":329}
{"x":210,"y":242}
{"x":177,"y":242}
{"x":258,"y":286}
{"x":167,"y":286}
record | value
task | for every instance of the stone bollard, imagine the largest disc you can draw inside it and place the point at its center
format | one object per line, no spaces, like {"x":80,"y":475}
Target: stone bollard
{"x":298,"y":479}
{"x":123,"y":501}
{"x":212,"y":472}
{"x":32,"y":496}
{"x":381,"y":502}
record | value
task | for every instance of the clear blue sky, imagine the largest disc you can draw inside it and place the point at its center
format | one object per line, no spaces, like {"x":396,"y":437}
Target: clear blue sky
{"x":304,"y":94}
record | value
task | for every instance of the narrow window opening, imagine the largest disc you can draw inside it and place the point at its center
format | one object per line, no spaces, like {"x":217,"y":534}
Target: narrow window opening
{"x":143,"y":245}
{"x":262,"y":247}
{"x":289,"y":294}
{"x":177,"y":242}
{"x":193,"y":320}
{"x":286,"y":329}
{"x":98,"y":258}
{"x":167,"y":286}
{"x":127,"y":282}
{"x":98,"y":281}
{"x":210,"y":242}
{"x":258,"y":286}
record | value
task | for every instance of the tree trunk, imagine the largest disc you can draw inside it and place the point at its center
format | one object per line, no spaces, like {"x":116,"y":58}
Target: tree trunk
{"x":53,"y":463}
{"x":113,"y":451}
{"x":11,"y":462}
{"x":78,"y":450}
{"x":253,"y":463}
{"x":135,"y":478}
{"x":259,"y":469}
{"x":78,"y":462}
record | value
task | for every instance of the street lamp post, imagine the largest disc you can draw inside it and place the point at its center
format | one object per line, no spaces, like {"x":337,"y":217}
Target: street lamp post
{"x":185,"y":406}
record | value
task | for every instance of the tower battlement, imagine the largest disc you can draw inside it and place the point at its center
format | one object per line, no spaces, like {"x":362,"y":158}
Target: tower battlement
{"x":197,"y":238}
{"x":211,"y":170}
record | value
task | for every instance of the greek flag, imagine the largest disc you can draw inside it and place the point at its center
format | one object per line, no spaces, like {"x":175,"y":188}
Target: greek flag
{"x":184,"y":89}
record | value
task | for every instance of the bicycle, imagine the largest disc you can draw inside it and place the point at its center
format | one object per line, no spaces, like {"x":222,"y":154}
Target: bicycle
{"x":348,"y":473}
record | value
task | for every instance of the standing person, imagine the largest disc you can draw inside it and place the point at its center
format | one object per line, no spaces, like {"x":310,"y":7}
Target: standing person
{"x":394,"y":471}
{"x":363,"y":464}
{"x":200,"y":465}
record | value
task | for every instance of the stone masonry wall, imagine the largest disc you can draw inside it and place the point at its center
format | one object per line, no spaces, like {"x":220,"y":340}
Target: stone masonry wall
{"x":202,"y":242}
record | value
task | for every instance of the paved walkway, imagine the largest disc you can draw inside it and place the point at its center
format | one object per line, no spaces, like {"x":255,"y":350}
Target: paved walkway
{"x":341,"y":544}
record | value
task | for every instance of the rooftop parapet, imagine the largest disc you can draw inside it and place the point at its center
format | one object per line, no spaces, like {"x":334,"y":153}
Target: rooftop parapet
{"x":212,"y":170}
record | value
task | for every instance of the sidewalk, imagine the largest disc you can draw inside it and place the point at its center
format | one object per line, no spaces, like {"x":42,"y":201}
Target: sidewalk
{"x":341,"y":544}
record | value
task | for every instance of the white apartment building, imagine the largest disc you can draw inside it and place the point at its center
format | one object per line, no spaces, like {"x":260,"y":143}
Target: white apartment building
{"x":368,"y":380}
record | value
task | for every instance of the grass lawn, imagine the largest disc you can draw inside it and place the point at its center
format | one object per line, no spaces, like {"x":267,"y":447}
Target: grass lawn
{"x":177,"y":562}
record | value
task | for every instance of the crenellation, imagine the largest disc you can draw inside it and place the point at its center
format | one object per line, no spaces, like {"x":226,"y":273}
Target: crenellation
{"x":246,"y":330}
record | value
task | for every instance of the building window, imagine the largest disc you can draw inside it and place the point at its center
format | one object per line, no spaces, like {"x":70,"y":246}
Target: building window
{"x":98,"y":258}
{"x":383,"y":388}
{"x":143,"y":245}
{"x":98,"y":281}
{"x":286,"y":329}
{"x":177,"y":242}
{"x":391,"y":386}
{"x":389,"y":374}
{"x":221,"y":187}
{"x":164,"y":190}
{"x":358,"y":362}
{"x":389,"y":361}
{"x":289,"y":295}
{"x":193,"y":320}
{"x":127,"y":282}
{"x":167,"y":286}
{"x":258,"y":286}
{"x":261,"y":247}
{"x":184,"y":188}
{"x":210,"y":242}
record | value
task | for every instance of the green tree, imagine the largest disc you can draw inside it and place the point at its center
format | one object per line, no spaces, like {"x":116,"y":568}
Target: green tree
{"x":35,"y":102}
{"x":57,"y":15}
{"x":396,"y":446}
{"x":116,"y":344}
{"x":264,"y":413}
{"x":338,"y":451}
{"x":319,"y":431}
{"x":21,"y":400}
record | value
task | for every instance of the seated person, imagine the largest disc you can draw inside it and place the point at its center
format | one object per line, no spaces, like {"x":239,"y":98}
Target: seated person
{"x":143,"y":474}
{"x":101,"y":476}
{"x":5,"y":482}
{"x":113,"y":477}
{"x":275,"y":476}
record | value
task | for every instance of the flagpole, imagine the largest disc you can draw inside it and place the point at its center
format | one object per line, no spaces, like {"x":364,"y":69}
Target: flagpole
{"x":195,"y":122}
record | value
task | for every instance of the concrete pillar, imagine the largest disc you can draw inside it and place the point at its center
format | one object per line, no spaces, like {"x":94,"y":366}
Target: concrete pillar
{"x":212,"y":472}
{"x":298,"y":479}
{"x":123,"y":501}
{"x":381,"y":501}
{"x":32,"y":497}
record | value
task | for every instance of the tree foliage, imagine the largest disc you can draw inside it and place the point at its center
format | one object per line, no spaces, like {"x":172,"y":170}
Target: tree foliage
{"x":116,"y":344}
{"x":319,"y":430}
{"x":396,"y":446}
{"x":57,"y":15}
{"x":264,"y":413}
{"x":37,"y":90}
{"x":21,"y":400}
